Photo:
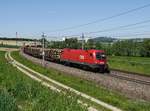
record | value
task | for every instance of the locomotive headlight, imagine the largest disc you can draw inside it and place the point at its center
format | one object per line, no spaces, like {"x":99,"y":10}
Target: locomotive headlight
{"x":101,"y":63}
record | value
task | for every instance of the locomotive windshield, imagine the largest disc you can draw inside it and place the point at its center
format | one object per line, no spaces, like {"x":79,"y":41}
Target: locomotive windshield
{"x":100,"y":56}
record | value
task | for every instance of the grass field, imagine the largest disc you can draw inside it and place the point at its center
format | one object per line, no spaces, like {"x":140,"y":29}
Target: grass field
{"x":133,"y":64}
{"x":9,"y":46}
{"x":20,"y":93}
{"x":88,"y":87}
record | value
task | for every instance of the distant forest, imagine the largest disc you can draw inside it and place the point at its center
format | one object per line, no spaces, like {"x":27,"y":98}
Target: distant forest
{"x":17,"y":39}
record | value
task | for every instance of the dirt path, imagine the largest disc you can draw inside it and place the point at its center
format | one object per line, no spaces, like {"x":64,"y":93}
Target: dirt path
{"x":8,"y":49}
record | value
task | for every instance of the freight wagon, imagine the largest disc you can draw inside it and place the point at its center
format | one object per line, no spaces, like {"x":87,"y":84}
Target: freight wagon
{"x":89,"y":59}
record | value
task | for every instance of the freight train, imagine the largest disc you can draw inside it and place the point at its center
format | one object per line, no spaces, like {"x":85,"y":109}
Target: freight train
{"x":90,"y":59}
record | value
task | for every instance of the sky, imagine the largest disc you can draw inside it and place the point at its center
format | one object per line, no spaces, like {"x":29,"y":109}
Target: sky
{"x":32,"y":17}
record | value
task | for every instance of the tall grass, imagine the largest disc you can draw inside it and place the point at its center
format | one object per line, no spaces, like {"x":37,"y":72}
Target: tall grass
{"x":18,"y":92}
{"x":88,"y":87}
{"x":7,"y":101}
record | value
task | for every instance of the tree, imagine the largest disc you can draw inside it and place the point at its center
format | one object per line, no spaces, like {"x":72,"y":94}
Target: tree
{"x":145,"y":51}
{"x":71,"y":43}
{"x":90,"y":44}
{"x":45,"y":42}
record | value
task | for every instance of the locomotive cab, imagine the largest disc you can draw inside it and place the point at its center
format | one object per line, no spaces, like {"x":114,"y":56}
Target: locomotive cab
{"x":100,"y":58}
{"x":100,"y":61}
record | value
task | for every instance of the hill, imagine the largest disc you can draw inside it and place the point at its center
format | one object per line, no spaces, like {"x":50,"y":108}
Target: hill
{"x":104,"y":39}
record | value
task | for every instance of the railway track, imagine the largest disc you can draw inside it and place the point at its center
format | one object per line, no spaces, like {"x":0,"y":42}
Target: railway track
{"x":129,"y":72}
{"x":129,"y":78}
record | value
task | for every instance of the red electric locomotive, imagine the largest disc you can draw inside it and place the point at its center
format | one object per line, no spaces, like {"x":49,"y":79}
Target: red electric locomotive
{"x":91,"y":59}
{"x":94,"y":59}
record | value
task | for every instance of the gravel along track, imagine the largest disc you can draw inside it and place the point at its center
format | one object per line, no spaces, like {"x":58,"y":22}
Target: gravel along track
{"x":129,"y":88}
{"x":43,"y":79}
{"x":131,"y":77}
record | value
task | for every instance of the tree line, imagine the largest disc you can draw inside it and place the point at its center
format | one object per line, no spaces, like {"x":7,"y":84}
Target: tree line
{"x":17,"y":39}
{"x":129,"y":48}
{"x":118,"y":48}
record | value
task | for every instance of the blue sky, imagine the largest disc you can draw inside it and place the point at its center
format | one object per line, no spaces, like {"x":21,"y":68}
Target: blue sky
{"x":32,"y":17}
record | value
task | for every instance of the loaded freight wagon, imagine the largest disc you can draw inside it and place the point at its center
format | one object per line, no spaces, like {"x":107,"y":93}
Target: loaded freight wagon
{"x":91,"y":59}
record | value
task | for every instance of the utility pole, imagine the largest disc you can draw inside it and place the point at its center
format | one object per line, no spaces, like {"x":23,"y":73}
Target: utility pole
{"x":35,"y":42}
{"x":82,"y":41}
{"x":16,"y":38}
{"x":43,"y":53}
